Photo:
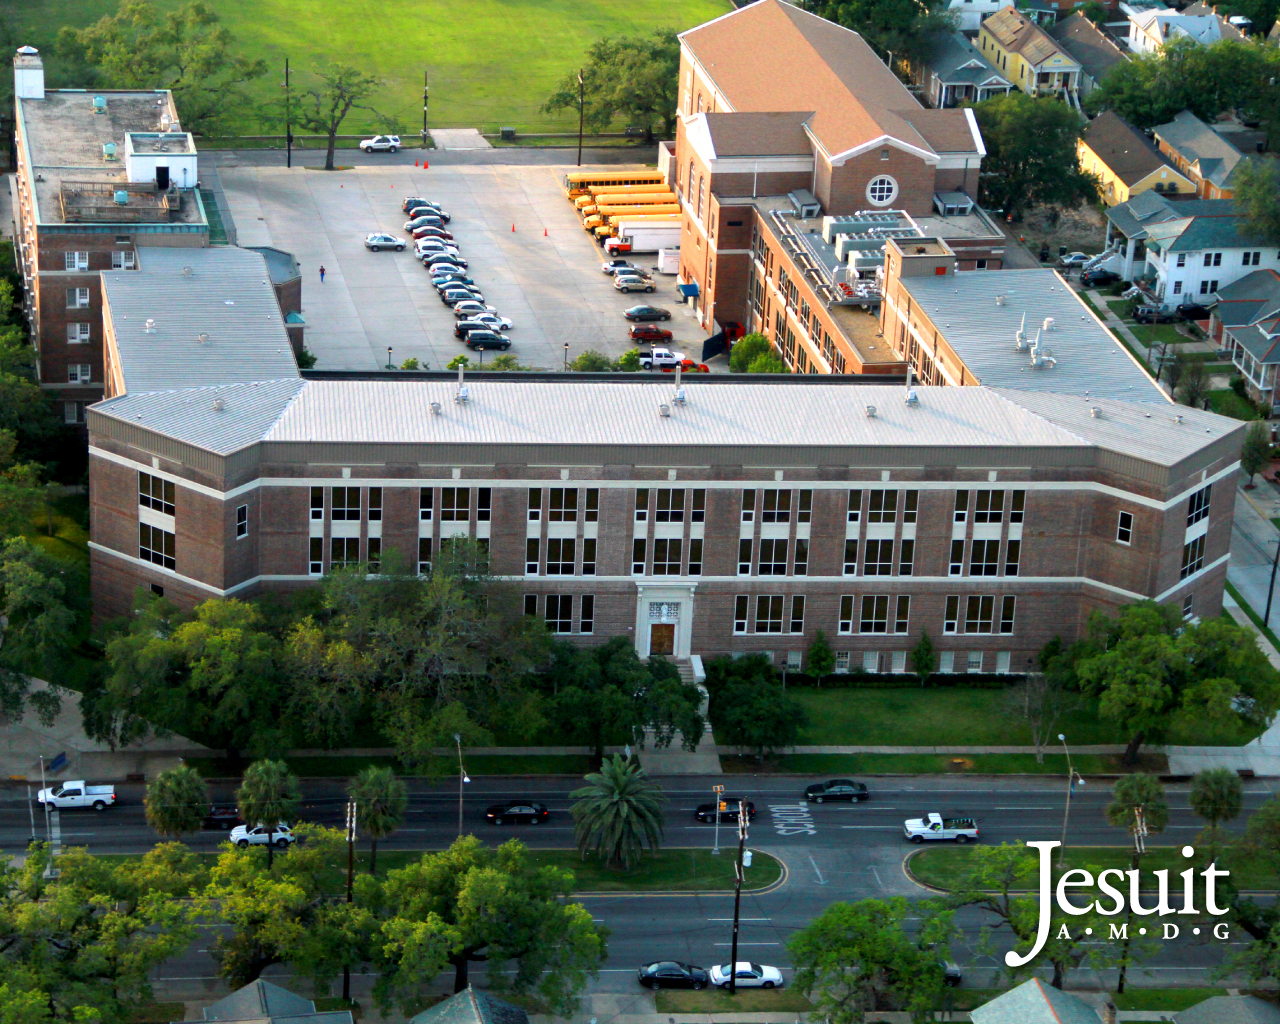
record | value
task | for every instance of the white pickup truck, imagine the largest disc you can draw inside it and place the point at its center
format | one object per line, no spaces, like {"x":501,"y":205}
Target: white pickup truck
{"x":77,"y":794}
{"x":661,"y":359}
{"x":935,"y":826}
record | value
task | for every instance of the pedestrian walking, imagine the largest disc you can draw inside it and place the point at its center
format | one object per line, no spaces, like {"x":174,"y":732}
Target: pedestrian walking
{"x":322,"y":273}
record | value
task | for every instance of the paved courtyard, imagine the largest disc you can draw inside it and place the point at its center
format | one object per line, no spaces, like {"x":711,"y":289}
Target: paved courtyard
{"x":545,"y":275}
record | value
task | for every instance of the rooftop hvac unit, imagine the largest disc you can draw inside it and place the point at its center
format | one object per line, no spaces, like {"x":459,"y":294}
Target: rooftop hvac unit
{"x":120,"y":197}
{"x":109,"y":150}
{"x":99,"y":104}
{"x":804,"y":203}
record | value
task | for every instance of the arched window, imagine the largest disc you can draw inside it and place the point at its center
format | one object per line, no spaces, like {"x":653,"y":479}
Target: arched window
{"x":689,"y":181}
{"x":699,"y":103}
{"x":702,"y":181}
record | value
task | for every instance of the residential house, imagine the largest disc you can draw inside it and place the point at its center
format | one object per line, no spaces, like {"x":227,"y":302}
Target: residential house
{"x":1090,"y":47}
{"x":472,"y":1007}
{"x":262,"y":1002}
{"x":957,"y":72}
{"x":1204,"y":155}
{"x":1246,"y":322}
{"x":1126,"y":161}
{"x":1235,"y":28}
{"x":1034,"y":1002}
{"x":1230,"y":1010}
{"x":1152,"y":29}
{"x":1028,"y":56}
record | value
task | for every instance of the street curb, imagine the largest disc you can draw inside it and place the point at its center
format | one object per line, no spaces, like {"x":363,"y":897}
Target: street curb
{"x":771,"y":887}
{"x":911,"y":876}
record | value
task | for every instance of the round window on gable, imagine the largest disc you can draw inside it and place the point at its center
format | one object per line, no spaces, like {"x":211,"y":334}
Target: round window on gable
{"x":882,"y":190}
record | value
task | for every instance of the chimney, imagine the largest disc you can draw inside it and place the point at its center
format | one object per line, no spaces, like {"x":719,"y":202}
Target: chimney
{"x":28,"y":74}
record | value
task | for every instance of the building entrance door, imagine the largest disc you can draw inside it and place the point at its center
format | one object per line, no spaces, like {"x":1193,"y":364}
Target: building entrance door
{"x":662,"y":638}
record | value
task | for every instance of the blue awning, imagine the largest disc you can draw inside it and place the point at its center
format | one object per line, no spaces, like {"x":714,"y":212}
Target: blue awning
{"x":689,"y":290}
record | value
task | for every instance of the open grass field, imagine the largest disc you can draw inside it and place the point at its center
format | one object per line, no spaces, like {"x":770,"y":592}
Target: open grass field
{"x":837,"y":765}
{"x":746,"y":1000}
{"x":344,"y":767}
{"x":491,"y":62}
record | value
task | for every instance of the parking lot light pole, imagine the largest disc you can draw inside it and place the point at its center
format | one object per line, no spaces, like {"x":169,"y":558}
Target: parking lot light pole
{"x":566,"y":357}
{"x":351,"y":872}
{"x":462,"y":779}
{"x":1072,"y":777}
{"x":582,"y":89}
{"x":389,"y":366}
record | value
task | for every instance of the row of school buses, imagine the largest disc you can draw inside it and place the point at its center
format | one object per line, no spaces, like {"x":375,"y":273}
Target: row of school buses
{"x":605,"y":199}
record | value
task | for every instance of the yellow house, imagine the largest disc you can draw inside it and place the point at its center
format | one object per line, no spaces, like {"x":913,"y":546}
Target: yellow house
{"x":1126,"y":162}
{"x":1026,"y":55}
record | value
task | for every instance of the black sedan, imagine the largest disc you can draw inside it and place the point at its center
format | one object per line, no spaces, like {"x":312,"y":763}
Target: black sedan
{"x":1099,"y":277}
{"x":477,"y":340}
{"x":517,"y":812}
{"x":1193,"y":311}
{"x":646,"y":313}
{"x":707,"y":812}
{"x":836,"y":789}
{"x":222,"y":818}
{"x":672,"y":974}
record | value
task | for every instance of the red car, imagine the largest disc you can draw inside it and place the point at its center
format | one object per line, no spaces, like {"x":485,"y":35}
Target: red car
{"x":688,"y":366}
{"x":430,"y":232}
{"x":648,"y":332}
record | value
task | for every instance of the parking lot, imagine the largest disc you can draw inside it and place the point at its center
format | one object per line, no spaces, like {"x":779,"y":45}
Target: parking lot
{"x":544,"y":275}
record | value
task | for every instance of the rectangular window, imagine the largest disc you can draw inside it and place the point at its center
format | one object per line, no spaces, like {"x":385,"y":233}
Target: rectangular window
{"x":973,"y":661}
{"x":315,"y":559}
{"x":531,"y":556}
{"x":695,"y":557}
{"x":878,"y":560}
{"x":850,"y":557}
{"x":802,"y":557}
{"x":1124,"y":528}
{"x":343,"y":551}
{"x":588,"y":620}
{"x":424,"y":556}
{"x":484,"y":504}
{"x":73,"y":412}
{"x":637,"y":557}
{"x":345,"y":503}
{"x":978,"y":613}
{"x":75,"y":260}
{"x":911,"y":506}
{"x":984,"y":558}
{"x":902,"y":614}
{"x":375,"y":504}
{"x":773,"y":558}
{"x":1017,"y":504}
{"x":962,"y":506}
{"x":855,"y":506}
{"x":797,"y":614}
{"x":906,"y":558}
{"x":1208,"y":287}
{"x":670,"y":506}
{"x":560,"y":556}
{"x":1012,"y":552}
{"x":1192,"y":557}
{"x":740,"y":604}
{"x":78,"y":334}
{"x":957,"y":557}
{"x":846,"y":614}
{"x":425,"y":502}
{"x":1007,"y":607}
{"x":535,"y":504}
{"x":989,"y":507}
{"x":875,"y":614}
{"x":79,"y":373}
{"x":882,"y":506}
{"x":1189,"y":606}
{"x":777,"y":507}
{"x":951,"y":614}
{"x":842,"y":663}
{"x":748,"y":506}
{"x":1213,"y":259}
{"x":156,"y":545}
{"x":125,"y":260}
{"x":242,"y":521}
{"x":317,"y":503}
{"x":804,"y":513}
{"x":699,"y":513}
{"x":455,"y":504}
{"x":1182,"y":259}
{"x":1198,"y":505}
{"x":375,"y":554}
{"x":666,"y":556}
{"x":560,"y":613}
{"x":563,"y":505}
{"x":531,"y":604}
{"x":769,"y":614}
{"x":744,"y":557}
{"x":642,"y":504}
{"x":77,"y":298}
{"x":156,"y":494}
{"x":592,"y":513}
{"x":1177,"y":287}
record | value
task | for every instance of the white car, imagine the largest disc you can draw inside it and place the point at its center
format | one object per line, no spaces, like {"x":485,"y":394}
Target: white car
{"x":494,"y":322}
{"x":432,"y":246}
{"x":747,"y":975}
{"x":381,"y":144}
{"x":1074,"y":259}
{"x":618,"y":266}
{"x":379,"y":240}
{"x":243,"y":835}
{"x":470,"y":308}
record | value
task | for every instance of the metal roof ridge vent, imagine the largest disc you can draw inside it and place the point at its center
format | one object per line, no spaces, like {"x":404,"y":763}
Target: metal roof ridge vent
{"x":664,"y":410}
{"x":187,"y":272}
{"x":150,"y":327}
{"x":203,"y":338}
{"x":435,"y":408}
{"x":462,"y":395}
{"x":871,"y":412}
{"x":219,"y":405}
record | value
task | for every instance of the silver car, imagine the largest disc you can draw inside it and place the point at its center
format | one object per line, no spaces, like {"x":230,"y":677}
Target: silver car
{"x":379,"y":240}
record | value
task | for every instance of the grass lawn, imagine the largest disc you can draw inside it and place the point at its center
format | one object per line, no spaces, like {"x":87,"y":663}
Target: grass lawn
{"x":1254,"y":617}
{"x":491,"y":64}
{"x":1167,"y":999}
{"x":835,"y":765}
{"x":65,"y":532}
{"x":345,"y":767}
{"x":917,"y":717}
{"x":946,"y":866}
{"x":747,"y":1000}
{"x":1227,"y":403}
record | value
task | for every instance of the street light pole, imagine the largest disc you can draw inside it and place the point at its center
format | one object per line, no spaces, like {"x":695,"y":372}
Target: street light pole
{"x":389,"y":365}
{"x":718,"y":792}
{"x":1266,"y":616}
{"x":462,"y":778}
{"x":426,"y":95}
{"x":288,"y":123}
{"x":566,"y":357}
{"x":737,"y":894}
{"x":1072,"y":776}
{"x":582,"y":89}
{"x":48,"y":832}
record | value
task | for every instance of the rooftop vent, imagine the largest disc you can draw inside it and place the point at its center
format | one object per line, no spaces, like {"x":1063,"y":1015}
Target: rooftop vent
{"x":120,"y":197}
{"x":1095,"y":412}
{"x":912,"y":398}
{"x":871,"y":412}
{"x":1020,"y":335}
{"x":679,"y":398}
{"x":109,"y":150}
{"x":462,"y":396}
{"x":219,"y":404}
{"x":435,"y":408}
{"x":150,"y":327}
{"x":99,"y":104}
{"x":664,"y":409}
{"x":1177,"y":419}
{"x":1000,"y":299}
{"x":1048,"y":323}
{"x":187,"y":272}
{"x":202,"y":338}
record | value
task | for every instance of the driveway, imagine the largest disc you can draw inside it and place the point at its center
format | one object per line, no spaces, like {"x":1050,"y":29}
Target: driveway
{"x":523,"y":239}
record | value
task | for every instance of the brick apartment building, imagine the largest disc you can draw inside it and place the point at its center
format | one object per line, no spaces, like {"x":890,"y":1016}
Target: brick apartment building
{"x":701,"y":519}
{"x":790,"y":126}
{"x":100,"y":175}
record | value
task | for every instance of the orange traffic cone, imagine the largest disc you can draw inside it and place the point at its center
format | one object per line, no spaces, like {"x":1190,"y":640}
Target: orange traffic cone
{"x":425,"y":164}
{"x":544,"y":232}
{"x":415,"y":163}
{"x":513,"y":227}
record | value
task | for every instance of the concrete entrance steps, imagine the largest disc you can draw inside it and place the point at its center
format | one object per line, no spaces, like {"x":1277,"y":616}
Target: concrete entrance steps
{"x":675,"y":760}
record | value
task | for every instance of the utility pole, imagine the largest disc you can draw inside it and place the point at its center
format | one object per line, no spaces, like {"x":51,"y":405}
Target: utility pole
{"x":737,"y":893}
{"x":426,"y":96}
{"x":1266,"y":616}
{"x":351,"y":871}
{"x":582,"y":92}
{"x":457,"y":738}
{"x":1139,"y":828}
{"x":288,"y":123}
{"x":48,"y":837}
{"x":719,"y":799}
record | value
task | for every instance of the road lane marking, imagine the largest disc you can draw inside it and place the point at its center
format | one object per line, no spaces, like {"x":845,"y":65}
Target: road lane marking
{"x":821,"y":880}
{"x":877,"y":874}
{"x":1026,"y":808}
{"x":740,"y":919}
{"x":741,"y":944}
{"x":893,"y":828}
{"x":793,"y":820}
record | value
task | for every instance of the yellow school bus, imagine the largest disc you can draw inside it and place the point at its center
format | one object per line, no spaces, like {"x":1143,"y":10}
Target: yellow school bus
{"x":578,"y":183}
{"x":597,"y":204}
{"x":626,"y":211}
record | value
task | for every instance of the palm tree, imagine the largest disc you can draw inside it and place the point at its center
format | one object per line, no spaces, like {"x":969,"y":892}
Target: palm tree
{"x":381,"y":801}
{"x":1216,"y":796}
{"x":618,"y":812}
{"x":269,"y":794}
{"x":1134,"y":793}
{"x":177,"y":801}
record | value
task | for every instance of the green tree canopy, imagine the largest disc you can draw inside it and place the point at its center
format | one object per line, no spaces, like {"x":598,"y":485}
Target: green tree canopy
{"x":1255,"y":452}
{"x":1257,"y":195}
{"x":336,"y":89}
{"x":176,"y":802}
{"x":821,"y":660}
{"x":749,"y":708}
{"x":1132,"y":793}
{"x":908,"y":29}
{"x":746,"y":350}
{"x":618,"y":812}
{"x":1217,"y":795}
{"x":381,"y":802}
{"x":269,"y":795}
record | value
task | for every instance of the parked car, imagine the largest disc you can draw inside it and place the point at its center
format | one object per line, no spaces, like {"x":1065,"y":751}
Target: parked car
{"x":1074,"y":259}
{"x":478,"y":340}
{"x":1096,"y":278}
{"x":648,"y":332}
{"x":517,"y":812}
{"x":428,"y":210}
{"x":379,"y":240}
{"x":672,"y":974}
{"x":258,"y":835}
{"x":464,"y":310}
{"x":425,"y":247}
{"x":836,"y":789}
{"x":934,"y":826}
{"x":746,"y":975}
{"x":1154,"y":315}
{"x":444,"y":259}
{"x":381,"y":144}
{"x":411,"y":201}
{"x":221,"y":818}
{"x":631,"y":283}
{"x":646,"y":313}
{"x":686,"y":366}
{"x":77,"y":794}
{"x":424,"y":220}
{"x":1193,"y":311}
{"x":481,"y":322}
{"x":615,"y":265}
{"x":443,"y":281}
{"x":453,"y":296}
{"x":431,"y":231}
{"x":661,"y":358}
{"x":707,"y":812}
